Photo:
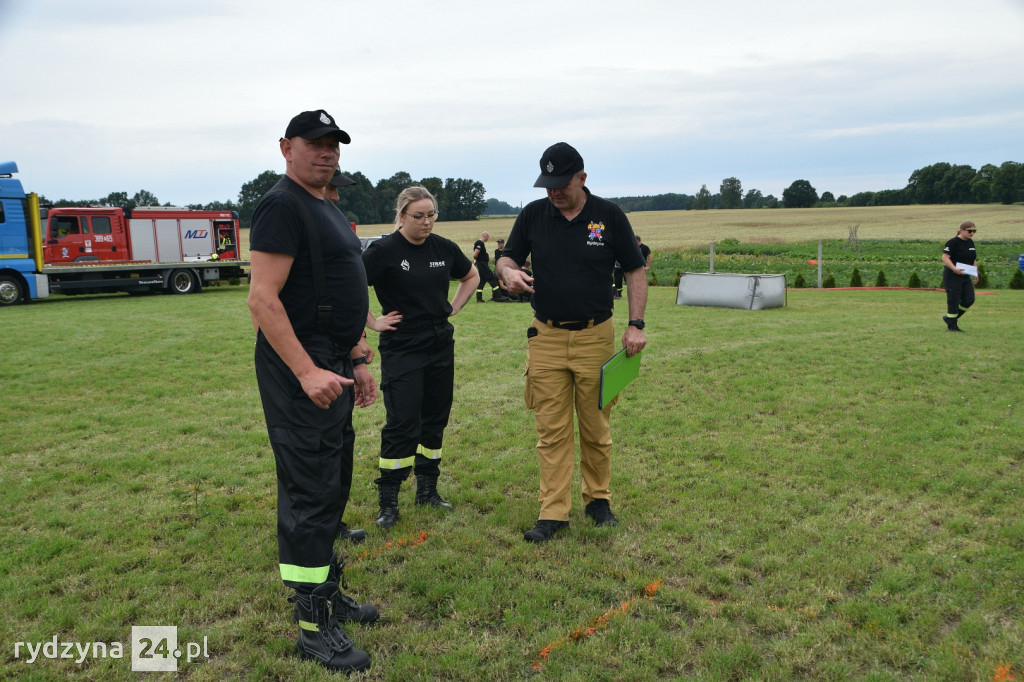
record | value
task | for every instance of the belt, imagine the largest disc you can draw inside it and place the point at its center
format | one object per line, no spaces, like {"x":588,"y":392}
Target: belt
{"x":575,"y":325}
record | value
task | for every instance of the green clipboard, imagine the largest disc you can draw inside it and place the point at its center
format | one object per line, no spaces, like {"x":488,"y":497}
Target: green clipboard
{"x":616,"y":375}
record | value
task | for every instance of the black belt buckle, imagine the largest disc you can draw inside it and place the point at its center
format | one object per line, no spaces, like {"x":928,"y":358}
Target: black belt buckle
{"x":571,"y":325}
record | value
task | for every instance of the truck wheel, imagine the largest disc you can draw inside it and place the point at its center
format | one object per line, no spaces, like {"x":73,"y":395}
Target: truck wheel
{"x":11,"y":291}
{"x":181,"y":282}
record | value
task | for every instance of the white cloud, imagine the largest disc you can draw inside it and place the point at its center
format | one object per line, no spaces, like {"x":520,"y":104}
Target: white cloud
{"x":187,"y":99}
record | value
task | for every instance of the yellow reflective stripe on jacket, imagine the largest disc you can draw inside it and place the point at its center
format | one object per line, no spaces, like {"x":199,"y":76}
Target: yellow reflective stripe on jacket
{"x":428,"y":453}
{"x":303,"y":574}
{"x":396,"y":463}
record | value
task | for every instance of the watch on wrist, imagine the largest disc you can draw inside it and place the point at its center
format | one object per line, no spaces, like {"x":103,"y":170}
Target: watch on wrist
{"x":638,"y":323}
{"x":361,"y":360}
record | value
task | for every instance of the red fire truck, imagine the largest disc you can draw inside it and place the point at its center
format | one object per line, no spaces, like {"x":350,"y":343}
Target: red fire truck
{"x":80,"y":250}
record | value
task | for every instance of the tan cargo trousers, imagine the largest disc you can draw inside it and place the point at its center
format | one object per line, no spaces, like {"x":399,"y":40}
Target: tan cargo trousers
{"x":563,"y":371}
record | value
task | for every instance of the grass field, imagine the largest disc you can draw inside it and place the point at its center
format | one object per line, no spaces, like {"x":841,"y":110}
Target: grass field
{"x":830,"y":490}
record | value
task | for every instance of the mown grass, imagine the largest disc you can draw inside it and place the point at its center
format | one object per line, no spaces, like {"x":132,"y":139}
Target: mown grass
{"x":829,"y":490}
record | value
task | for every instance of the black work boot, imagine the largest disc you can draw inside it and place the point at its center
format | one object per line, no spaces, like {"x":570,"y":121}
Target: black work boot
{"x":345,"y":608}
{"x":479,"y":297}
{"x":354,"y":535}
{"x":426,"y":492}
{"x":601,"y":512}
{"x":544,"y":529}
{"x":320,"y":637}
{"x":387,"y":494}
{"x":951,"y":324}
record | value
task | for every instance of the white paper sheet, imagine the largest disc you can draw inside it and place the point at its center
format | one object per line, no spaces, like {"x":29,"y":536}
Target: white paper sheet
{"x":971,"y":270}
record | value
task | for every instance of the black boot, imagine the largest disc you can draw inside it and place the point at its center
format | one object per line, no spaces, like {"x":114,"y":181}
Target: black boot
{"x":479,"y":297}
{"x":320,"y":637}
{"x":355,"y":535}
{"x":387,"y":493}
{"x":426,"y":492}
{"x":345,"y":608}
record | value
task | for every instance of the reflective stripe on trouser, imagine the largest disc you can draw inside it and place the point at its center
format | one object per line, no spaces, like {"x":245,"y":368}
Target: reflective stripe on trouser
{"x":313,"y":451}
{"x":418,"y":383}
{"x":563,"y":371}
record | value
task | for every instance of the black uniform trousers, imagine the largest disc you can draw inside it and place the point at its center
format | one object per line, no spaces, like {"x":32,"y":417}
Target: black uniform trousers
{"x":487,"y":276}
{"x":313,"y":452}
{"x":418,"y":382}
{"x":959,"y":292}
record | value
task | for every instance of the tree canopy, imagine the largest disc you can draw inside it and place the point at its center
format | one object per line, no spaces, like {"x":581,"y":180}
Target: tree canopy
{"x":799,"y":195}
{"x":732,"y":193}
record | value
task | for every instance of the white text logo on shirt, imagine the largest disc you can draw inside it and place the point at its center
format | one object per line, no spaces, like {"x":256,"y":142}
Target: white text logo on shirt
{"x":437,"y":263}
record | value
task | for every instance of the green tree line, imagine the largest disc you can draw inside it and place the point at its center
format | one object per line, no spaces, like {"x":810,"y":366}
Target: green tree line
{"x":462,"y":199}
{"x":939,"y":183}
{"x":363,"y":202}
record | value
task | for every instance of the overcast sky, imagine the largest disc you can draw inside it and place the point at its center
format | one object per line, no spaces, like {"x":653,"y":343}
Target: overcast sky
{"x":187,"y":99}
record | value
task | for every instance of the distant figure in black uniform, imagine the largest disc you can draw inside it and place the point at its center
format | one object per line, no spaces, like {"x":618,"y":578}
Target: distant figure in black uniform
{"x":645,"y":251}
{"x":505,"y":295}
{"x":411,"y":270}
{"x":959,"y":285}
{"x":480,"y":258}
{"x":331,"y":194}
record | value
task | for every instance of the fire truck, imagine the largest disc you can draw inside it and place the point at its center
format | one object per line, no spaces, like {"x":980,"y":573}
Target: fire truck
{"x":105,"y":249}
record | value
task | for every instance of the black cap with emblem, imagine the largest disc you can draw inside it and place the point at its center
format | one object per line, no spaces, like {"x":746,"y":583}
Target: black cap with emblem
{"x":557,"y":166}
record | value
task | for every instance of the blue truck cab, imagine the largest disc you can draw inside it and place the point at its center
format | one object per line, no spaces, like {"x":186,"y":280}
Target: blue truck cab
{"x":21,"y":244}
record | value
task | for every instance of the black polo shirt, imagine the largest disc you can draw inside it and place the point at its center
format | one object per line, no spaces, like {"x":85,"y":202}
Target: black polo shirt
{"x":572,"y":261}
{"x":961,"y":251}
{"x":482,"y":256}
{"x":277,"y":227}
{"x":414,"y":278}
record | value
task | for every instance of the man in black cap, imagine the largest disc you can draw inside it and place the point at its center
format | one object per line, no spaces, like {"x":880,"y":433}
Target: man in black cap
{"x":574,"y":238}
{"x":308,"y":299}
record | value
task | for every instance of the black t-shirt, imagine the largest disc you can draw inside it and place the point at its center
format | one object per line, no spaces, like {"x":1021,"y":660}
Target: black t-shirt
{"x":277,"y":227}
{"x":645,"y":251}
{"x":481,"y":257}
{"x":573,"y":261}
{"x":414,"y":278}
{"x":961,"y":251}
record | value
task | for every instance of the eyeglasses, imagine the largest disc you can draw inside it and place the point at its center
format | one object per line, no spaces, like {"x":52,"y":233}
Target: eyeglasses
{"x":420,"y":216}
{"x":970,"y":231}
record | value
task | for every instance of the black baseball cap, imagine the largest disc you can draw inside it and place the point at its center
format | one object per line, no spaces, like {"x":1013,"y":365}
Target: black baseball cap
{"x":312,"y":125}
{"x":557,"y":166}
{"x":339,"y":179}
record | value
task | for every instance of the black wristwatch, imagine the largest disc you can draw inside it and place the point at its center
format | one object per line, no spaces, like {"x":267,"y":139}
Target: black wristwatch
{"x":361,"y":360}
{"x":638,"y":323}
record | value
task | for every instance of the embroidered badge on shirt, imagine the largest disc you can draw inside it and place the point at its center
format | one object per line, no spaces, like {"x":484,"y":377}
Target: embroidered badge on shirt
{"x":596,"y":236}
{"x":405,"y":265}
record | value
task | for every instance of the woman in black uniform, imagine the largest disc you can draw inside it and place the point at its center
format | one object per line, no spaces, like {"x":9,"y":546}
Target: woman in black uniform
{"x":411,"y":270}
{"x":959,"y":285}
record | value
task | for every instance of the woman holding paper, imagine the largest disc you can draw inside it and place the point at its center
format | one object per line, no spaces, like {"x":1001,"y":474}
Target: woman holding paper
{"x":960,"y":274}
